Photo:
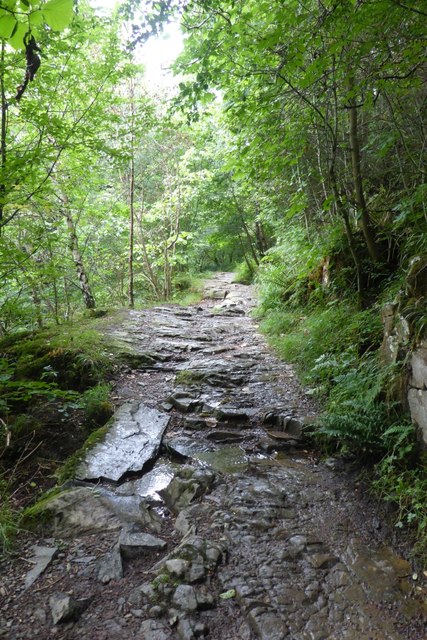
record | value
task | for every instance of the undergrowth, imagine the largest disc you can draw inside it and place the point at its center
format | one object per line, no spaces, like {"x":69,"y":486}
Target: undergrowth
{"x":335,"y":347}
{"x":188,"y":288}
{"x":53,"y":394}
{"x":245,"y":272}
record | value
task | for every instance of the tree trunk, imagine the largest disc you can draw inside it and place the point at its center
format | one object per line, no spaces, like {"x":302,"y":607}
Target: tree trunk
{"x":88,"y":298}
{"x":366,"y":224}
{"x":2,"y":133}
{"x":262,"y":244}
{"x":342,"y":211}
{"x":131,"y":296}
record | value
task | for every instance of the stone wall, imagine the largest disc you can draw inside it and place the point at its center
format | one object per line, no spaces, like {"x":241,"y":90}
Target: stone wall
{"x":400,"y":344}
{"x":417,"y":389}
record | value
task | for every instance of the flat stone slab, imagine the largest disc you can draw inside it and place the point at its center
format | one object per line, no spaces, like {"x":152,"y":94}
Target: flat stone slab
{"x":133,"y":440}
{"x":43,"y":556}
{"x":133,"y":544}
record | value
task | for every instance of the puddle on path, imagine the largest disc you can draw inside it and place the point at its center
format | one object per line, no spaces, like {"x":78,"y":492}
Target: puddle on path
{"x":225,"y":460}
{"x":232,"y":459}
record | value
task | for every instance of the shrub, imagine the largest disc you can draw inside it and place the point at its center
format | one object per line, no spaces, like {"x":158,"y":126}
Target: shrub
{"x":245,"y":272}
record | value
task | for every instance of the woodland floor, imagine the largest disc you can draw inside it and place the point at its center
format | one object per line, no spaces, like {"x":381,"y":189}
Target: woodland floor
{"x":262,"y":538}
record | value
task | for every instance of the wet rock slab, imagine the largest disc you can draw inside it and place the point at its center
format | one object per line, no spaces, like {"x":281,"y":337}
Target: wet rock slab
{"x":133,"y":440}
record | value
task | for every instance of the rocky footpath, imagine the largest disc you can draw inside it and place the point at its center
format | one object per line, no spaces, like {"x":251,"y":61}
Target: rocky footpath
{"x":204,"y":512}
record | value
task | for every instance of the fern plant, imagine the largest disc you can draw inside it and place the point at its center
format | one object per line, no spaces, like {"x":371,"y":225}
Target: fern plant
{"x":356,"y":426}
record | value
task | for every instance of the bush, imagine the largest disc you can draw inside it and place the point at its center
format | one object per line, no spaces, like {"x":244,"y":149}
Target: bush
{"x":245,"y":272}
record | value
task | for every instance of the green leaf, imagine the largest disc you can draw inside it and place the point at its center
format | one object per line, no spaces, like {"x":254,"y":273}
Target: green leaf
{"x":17,"y":40}
{"x":226,"y":595}
{"x":58,"y":13}
{"x":35,"y":18}
{"x":7,"y":25}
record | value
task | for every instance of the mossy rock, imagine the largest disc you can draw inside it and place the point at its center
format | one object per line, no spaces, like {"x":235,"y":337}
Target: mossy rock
{"x":188,"y":377}
{"x":37,"y":516}
{"x":101,"y":413}
{"x":96,"y":313}
{"x":68,"y":469}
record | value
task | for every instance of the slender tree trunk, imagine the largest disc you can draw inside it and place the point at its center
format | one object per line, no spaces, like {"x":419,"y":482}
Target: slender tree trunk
{"x":340,"y":207}
{"x":67,"y":300}
{"x":366,"y":224}
{"x":150,"y":275}
{"x":167,"y":283}
{"x":37,"y":305}
{"x":245,"y":229}
{"x":2,"y":133}
{"x":131,"y":296}
{"x":248,"y":262}
{"x":88,"y":297}
{"x":342,"y":211}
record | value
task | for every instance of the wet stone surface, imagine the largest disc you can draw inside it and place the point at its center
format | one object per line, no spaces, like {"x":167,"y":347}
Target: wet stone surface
{"x":204,"y":512}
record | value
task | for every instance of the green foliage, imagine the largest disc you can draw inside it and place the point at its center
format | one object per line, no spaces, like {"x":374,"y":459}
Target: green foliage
{"x":97,"y":405}
{"x":188,"y":288}
{"x":401,"y":479}
{"x":9,"y":520}
{"x":245,"y":272}
{"x":325,"y":341}
{"x":356,"y":428}
{"x":17,"y":19}
{"x":188,"y":377}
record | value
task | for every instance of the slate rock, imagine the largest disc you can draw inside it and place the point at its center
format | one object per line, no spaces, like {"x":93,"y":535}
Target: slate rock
{"x":110,"y":567}
{"x":267,"y":625}
{"x":43,"y":556}
{"x":183,"y":523}
{"x":80,"y":510}
{"x":148,"y":487}
{"x":179,"y":494}
{"x":153,"y":630}
{"x":187,"y":485}
{"x":185,"y":630}
{"x":194,"y":424}
{"x":64,"y":608}
{"x":189,"y":629}
{"x":322,"y":560}
{"x":177,"y":567}
{"x":219,"y":435}
{"x":133,"y":439}
{"x":184,"y":598}
{"x":133,"y":544}
{"x":231,"y":414}
{"x":184,"y":401}
{"x":205,"y":599}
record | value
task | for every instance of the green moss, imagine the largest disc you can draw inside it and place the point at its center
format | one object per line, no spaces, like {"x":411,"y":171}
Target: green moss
{"x":161,"y":579}
{"x":37,"y":515}
{"x":97,"y":404}
{"x":188,"y":377}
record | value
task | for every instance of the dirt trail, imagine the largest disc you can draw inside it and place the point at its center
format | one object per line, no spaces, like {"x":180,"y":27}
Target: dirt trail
{"x":205,"y":513}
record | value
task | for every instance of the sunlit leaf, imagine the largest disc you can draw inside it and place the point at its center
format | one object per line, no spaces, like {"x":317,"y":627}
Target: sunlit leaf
{"x":7,"y":25}
{"x":58,"y":13}
{"x":35,"y":18}
{"x":17,"y":40}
